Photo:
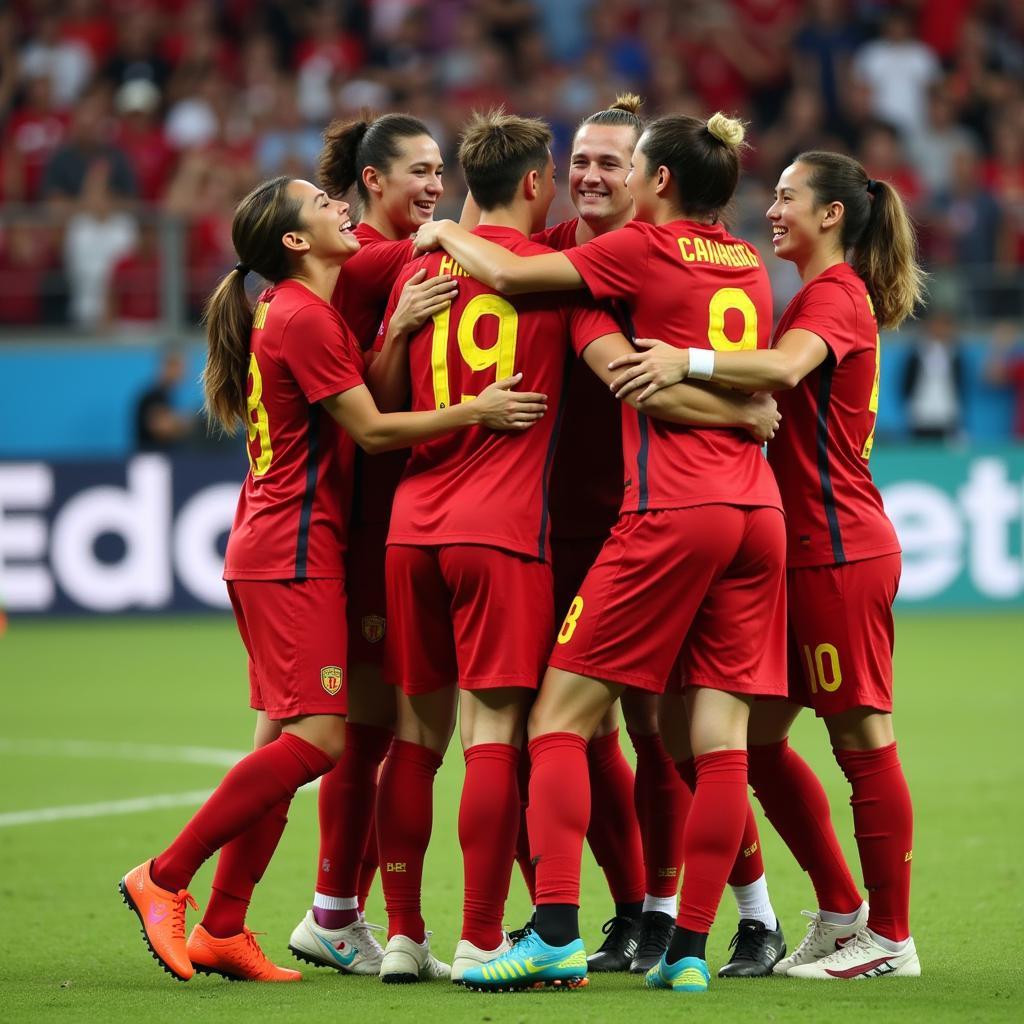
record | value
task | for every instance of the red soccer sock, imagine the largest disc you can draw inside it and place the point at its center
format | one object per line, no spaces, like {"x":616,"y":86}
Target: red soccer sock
{"x":795,"y":803}
{"x":883,"y":823}
{"x":614,"y":833}
{"x":749,"y":865}
{"x":713,"y":831}
{"x":347,"y":796}
{"x":370,"y":862}
{"x":405,"y":811}
{"x":240,"y":867}
{"x":261,"y":779}
{"x":662,"y":804}
{"x":523,"y":856}
{"x":488,"y":822}
{"x":558,"y":814}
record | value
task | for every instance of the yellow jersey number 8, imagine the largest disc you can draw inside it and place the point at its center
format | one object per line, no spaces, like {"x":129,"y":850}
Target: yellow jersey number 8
{"x":257,"y":422}
{"x":501,"y":355}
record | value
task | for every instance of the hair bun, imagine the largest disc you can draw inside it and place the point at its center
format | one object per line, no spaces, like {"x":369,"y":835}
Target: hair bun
{"x":630,"y":102}
{"x":726,"y":129}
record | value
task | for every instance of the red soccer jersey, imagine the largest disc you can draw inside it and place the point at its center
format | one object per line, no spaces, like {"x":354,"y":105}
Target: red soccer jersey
{"x":586,"y":479}
{"x":291,"y":520}
{"x":693,"y":286}
{"x":560,"y":236}
{"x":834,"y":512}
{"x":482,"y":486}
{"x":361,"y":296}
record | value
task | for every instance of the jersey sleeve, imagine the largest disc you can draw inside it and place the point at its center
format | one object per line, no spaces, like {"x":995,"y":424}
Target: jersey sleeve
{"x":829,"y":311}
{"x":614,"y":266}
{"x":589,"y":321}
{"x":321,"y":353}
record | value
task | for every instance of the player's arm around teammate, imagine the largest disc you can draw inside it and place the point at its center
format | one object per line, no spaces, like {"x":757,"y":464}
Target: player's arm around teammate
{"x":701,"y":512}
{"x":275,"y":370}
{"x":826,"y":212}
{"x":395,"y":171}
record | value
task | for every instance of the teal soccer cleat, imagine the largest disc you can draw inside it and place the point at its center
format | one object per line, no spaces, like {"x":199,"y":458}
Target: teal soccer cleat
{"x":531,"y":963}
{"x":690,"y":974}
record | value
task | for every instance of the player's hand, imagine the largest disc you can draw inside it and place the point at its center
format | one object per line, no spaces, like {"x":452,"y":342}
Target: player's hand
{"x":501,"y":408}
{"x":764,"y":417}
{"x":428,"y":237}
{"x":654,"y":367}
{"x":421,"y":298}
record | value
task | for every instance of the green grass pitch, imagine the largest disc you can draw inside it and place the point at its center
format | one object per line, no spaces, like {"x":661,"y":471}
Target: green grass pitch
{"x":76,"y":692}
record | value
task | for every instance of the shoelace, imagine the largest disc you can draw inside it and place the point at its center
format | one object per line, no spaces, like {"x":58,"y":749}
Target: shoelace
{"x":178,"y":904}
{"x":653,"y":937}
{"x":747,"y":943}
{"x":255,"y":958}
{"x":518,"y":934}
{"x":852,"y":950}
{"x":613,"y":928}
{"x":365,"y":930}
{"x":813,"y":933}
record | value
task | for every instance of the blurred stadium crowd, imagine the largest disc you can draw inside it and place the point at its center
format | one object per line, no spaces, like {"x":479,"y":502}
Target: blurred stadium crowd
{"x":129,"y":128}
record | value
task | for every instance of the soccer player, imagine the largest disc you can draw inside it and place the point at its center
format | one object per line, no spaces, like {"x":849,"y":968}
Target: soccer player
{"x":397,"y":171}
{"x":690,"y":581}
{"x":290,"y":372}
{"x":843,"y":554}
{"x":640,"y":858}
{"x":467,"y":574}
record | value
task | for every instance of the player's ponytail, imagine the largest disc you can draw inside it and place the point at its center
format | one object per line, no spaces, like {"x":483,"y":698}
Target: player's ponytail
{"x":352,"y":146}
{"x":624,"y":112}
{"x":877,"y":233}
{"x":702,"y":156}
{"x":260,"y":221}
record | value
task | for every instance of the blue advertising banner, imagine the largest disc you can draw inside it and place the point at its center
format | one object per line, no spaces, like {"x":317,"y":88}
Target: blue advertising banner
{"x":148,"y":533}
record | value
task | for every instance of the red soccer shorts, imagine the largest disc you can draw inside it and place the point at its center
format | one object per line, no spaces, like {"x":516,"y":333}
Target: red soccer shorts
{"x":294,"y":633}
{"x":694,"y":591}
{"x":571,"y":559}
{"x":467,"y":614}
{"x":367,"y":608}
{"x":841,"y":634}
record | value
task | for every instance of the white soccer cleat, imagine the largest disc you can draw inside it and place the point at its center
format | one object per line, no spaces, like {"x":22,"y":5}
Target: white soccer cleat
{"x":467,"y":955}
{"x":821,"y":939}
{"x":351,"y":950}
{"x":406,"y":961}
{"x":862,"y":957}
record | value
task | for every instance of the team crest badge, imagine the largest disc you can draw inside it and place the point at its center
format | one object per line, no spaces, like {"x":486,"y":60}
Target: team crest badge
{"x":330,"y":679}
{"x":373,"y":628}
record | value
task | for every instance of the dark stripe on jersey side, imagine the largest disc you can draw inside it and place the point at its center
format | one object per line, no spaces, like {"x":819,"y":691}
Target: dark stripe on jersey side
{"x":306,"y":512}
{"x":545,"y":514}
{"x":824,"y":474}
{"x":622,"y":311}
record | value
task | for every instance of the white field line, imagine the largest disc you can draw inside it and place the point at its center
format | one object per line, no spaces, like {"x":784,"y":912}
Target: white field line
{"x":115,"y":752}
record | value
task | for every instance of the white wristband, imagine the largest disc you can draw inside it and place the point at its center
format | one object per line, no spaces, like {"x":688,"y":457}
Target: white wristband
{"x":702,"y":363}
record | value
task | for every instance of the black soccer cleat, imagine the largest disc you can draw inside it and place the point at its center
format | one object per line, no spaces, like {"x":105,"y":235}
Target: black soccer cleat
{"x":622,"y":936}
{"x":756,"y":949}
{"x":656,"y":931}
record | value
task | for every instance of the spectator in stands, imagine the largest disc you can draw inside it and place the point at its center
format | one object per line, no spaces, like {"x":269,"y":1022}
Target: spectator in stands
{"x":287,"y":144}
{"x":86,"y":148}
{"x":822,"y":52}
{"x":68,"y":63}
{"x":933,"y":150}
{"x":140,"y":136}
{"x":159,"y":426}
{"x":899,"y":70}
{"x":134,"y":293}
{"x":137,"y":52}
{"x":933,"y":380}
{"x":97,"y":235}
{"x":32,"y":134}
{"x":31,"y":289}
{"x":1005,"y":368}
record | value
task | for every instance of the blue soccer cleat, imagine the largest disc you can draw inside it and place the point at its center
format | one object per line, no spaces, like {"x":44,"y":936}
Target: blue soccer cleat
{"x":531,"y":963}
{"x":690,"y":974}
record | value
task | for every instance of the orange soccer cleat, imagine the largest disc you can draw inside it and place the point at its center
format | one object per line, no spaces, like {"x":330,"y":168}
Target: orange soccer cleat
{"x":237,"y":958}
{"x":162,"y":914}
